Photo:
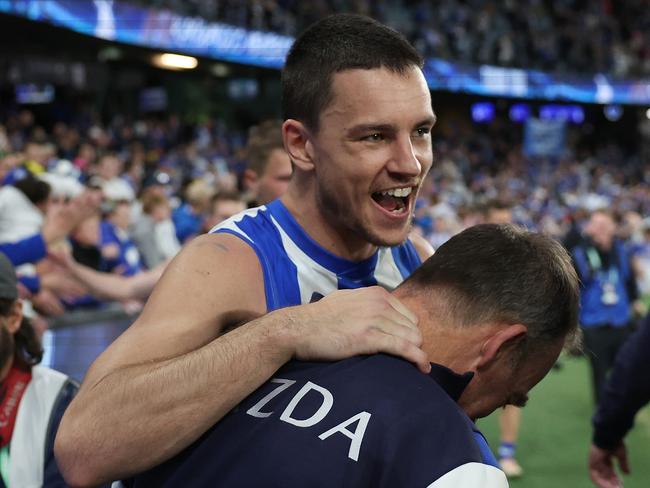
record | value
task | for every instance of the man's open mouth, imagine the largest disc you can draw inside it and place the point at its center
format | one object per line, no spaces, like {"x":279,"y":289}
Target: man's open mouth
{"x":395,"y":200}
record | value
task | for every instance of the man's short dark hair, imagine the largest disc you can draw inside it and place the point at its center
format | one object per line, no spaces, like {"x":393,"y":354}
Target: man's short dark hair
{"x":501,"y":273}
{"x":337,"y":43}
{"x":262,"y":140}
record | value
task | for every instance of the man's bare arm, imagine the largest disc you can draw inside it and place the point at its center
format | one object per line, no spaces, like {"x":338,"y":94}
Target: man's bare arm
{"x":165,"y":364}
{"x":161,"y":407}
{"x":111,"y":286}
{"x":167,"y":379}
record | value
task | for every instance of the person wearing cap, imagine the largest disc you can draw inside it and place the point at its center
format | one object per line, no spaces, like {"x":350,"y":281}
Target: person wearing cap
{"x":32,"y":398}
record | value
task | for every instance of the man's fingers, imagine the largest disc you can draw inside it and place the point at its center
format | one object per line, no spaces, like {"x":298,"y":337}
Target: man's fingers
{"x":397,"y":325}
{"x":395,"y":312}
{"x":398,"y":346}
{"x":601,"y":468}
{"x":604,"y":478}
{"x":401,"y":308}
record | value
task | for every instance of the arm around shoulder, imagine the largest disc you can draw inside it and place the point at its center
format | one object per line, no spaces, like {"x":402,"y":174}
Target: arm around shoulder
{"x":169,"y":377}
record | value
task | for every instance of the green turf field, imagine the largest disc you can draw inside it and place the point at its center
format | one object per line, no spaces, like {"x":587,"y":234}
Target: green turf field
{"x":555,"y":433}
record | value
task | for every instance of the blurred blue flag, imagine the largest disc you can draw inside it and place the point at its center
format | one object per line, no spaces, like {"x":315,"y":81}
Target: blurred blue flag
{"x":544,"y":137}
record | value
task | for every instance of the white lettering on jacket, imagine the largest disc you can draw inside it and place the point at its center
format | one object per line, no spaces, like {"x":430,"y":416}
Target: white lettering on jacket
{"x":361,"y":419}
{"x":357,"y":436}
{"x":323,"y":410}
{"x":255,"y":410}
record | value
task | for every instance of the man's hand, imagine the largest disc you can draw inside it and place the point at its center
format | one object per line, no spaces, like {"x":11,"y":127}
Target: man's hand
{"x":62,"y":218}
{"x":353,"y":322}
{"x":47,"y":303}
{"x":601,"y":466}
{"x":63,"y":285}
{"x":61,"y":257}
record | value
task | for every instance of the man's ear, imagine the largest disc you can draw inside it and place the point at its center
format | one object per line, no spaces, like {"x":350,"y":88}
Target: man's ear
{"x":15,"y":317}
{"x":250,"y":180}
{"x":498,"y":342}
{"x":297,"y":144}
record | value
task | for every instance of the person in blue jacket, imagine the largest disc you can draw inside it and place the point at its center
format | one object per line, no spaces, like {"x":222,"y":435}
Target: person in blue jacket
{"x":625,"y":393}
{"x":607,"y":294}
{"x":495,"y":306}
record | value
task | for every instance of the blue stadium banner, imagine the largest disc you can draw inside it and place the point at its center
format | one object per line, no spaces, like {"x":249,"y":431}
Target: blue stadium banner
{"x":544,"y":137}
{"x":162,"y":29}
{"x":526,"y":84}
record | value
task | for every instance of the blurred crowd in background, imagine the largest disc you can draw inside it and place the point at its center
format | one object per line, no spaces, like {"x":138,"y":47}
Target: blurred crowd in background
{"x":157,"y":183}
{"x":562,"y":36}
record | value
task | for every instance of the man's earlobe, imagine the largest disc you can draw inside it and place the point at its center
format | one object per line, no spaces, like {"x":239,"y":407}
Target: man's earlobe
{"x":298,"y":145}
{"x":497,"y":343}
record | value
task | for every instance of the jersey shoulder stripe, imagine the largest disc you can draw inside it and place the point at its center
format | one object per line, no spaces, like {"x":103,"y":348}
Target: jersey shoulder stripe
{"x":296,"y":268}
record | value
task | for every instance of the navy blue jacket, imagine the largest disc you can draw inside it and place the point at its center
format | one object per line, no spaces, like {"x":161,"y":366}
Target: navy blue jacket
{"x":372,"y":421}
{"x":626,"y":391}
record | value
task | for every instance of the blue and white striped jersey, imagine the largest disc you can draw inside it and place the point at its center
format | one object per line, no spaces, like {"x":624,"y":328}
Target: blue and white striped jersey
{"x":298,"y":270}
{"x":371,"y":421}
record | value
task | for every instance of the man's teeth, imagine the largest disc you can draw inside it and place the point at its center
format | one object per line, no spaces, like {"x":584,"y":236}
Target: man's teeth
{"x":398,"y":192}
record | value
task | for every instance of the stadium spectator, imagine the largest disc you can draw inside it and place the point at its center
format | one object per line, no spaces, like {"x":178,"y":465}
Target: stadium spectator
{"x":31,"y":222}
{"x":591,"y":37}
{"x":188,"y":218}
{"x":495,"y":306}
{"x":268,"y":168}
{"x":627,"y":390}
{"x":85,"y":241}
{"x":608,"y":291}
{"x":23,"y":207}
{"x":119,"y":253}
{"x":349,"y":205}
{"x":153,"y":231}
{"x":108,"y":177}
{"x":33,"y":398}
{"x":224,"y":206}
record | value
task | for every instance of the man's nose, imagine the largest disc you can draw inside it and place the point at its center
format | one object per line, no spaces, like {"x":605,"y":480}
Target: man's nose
{"x":404,"y":158}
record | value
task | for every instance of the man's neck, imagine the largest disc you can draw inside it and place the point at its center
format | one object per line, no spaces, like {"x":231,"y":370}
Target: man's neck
{"x":445,"y":346}
{"x":457,"y":348}
{"x":338,"y":241}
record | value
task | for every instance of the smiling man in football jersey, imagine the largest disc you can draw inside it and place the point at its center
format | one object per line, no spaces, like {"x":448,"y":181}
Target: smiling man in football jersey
{"x":358,"y":118}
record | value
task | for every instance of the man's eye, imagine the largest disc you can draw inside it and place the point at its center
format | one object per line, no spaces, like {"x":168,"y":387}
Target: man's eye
{"x":374,"y":137}
{"x":423,"y":131}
